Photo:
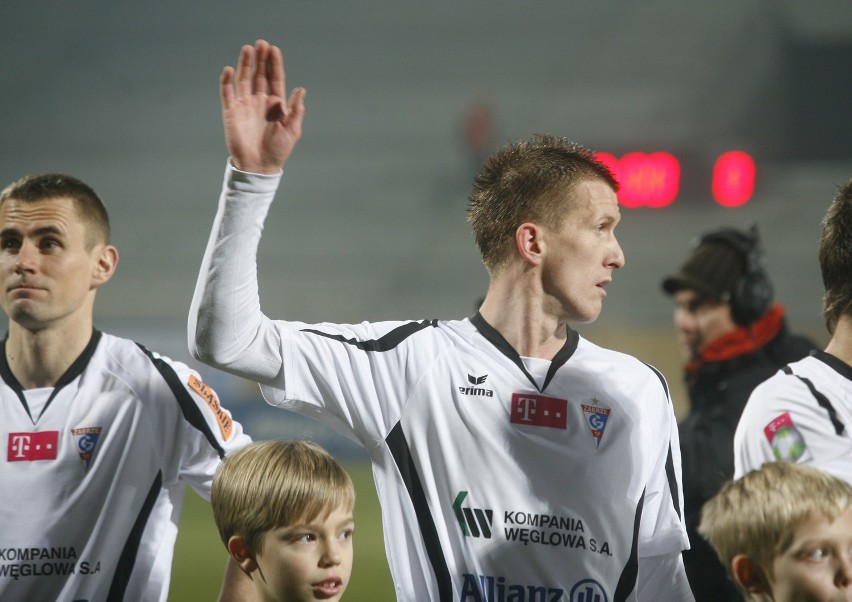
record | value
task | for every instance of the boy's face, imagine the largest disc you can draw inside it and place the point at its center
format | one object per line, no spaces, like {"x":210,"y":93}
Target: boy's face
{"x":306,"y":561}
{"x":817,"y":567}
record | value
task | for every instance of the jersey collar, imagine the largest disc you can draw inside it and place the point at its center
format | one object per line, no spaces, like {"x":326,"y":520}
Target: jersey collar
{"x":73,"y":371}
{"x":497,"y":339}
{"x":835,"y":363}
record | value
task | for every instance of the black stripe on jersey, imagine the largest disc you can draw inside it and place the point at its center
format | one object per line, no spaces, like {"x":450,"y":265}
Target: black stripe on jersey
{"x":671,"y":475}
{"x":73,"y":371}
{"x":627,"y":581}
{"x":402,"y":456}
{"x":822,"y":400}
{"x":662,"y":381}
{"x":496,"y":339}
{"x":127,"y":560}
{"x":386,"y":342}
{"x":190,"y":410}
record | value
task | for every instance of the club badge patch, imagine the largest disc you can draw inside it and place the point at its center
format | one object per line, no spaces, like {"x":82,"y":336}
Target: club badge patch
{"x":786,"y":440}
{"x":86,"y":441}
{"x":596,"y":418}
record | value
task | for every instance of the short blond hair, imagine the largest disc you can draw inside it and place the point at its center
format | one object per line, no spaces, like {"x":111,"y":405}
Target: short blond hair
{"x":758,"y":514}
{"x":528,"y":180}
{"x":270,"y":484}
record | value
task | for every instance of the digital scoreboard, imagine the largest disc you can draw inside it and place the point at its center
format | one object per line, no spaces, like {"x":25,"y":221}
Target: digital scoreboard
{"x":653,"y":180}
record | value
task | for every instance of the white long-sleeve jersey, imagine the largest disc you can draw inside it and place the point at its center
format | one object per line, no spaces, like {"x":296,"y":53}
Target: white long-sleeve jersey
{"x":91,"y":486}
{"x":500,"y":477}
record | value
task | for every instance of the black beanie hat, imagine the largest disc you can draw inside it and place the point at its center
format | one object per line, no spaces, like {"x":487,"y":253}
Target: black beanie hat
{"x":712,"y":270}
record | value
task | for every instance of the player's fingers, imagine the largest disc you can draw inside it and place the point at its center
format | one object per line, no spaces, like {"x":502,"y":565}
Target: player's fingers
{"x":296,"y":106}
{"x":226,"y":87}
{"x":259,"y":83}
{"x":244,"y":71}
{"x":275,"y":72}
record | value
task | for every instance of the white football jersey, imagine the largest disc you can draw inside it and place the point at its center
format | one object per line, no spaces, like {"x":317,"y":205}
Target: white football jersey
{"x":801,"y":414}
{"x":91,"y":488}
{"x":499,"y":479}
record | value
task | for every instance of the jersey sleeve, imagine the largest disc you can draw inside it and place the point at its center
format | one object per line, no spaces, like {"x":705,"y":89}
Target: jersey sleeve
{"x":663,"y":579}
{"x":226,"y":327}
{"x":783,"y":421}
{"x":204,"y":431}
{"x":355,"y":378}
{"x":662,"y":529}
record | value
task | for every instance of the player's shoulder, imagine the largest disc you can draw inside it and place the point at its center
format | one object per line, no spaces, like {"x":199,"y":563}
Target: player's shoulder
{"x":786,"y":381}
{"x":615,"y":360}
{"x":133,"y":361}
{"x":626,"y":371}
{"x":357,"y":333}
{"x":784,"y":391}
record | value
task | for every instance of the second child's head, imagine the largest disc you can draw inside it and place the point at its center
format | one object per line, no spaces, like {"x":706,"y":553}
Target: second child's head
{"x":284,"y":510}
{"x":785,"y":533}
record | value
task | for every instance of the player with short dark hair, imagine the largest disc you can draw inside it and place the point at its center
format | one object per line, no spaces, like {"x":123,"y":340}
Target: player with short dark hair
{"x":514,"y":459}
{"x":101,"y":434}
{"x":804,"y":412}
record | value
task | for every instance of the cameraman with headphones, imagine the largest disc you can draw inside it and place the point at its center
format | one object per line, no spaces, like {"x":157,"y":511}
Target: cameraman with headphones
{"x":732,"y":338}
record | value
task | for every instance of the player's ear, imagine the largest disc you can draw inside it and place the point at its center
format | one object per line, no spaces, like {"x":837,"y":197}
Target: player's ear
{"x":239,"y":550}
{"x":748,"y":574}
{"x":529,"y":242}
{"x":107,"y":261}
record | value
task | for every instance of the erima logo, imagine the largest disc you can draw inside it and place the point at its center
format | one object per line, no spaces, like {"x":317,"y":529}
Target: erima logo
{"x":474,"y":390}
{"x":475,"y":522}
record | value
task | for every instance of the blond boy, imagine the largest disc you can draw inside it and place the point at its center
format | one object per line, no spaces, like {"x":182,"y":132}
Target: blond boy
{"x":284,"y":510}
{"x":784,"y":532}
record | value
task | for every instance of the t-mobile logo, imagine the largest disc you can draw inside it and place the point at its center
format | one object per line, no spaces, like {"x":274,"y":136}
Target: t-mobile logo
{"x":29,"y":447}
{"x":538,"y":410}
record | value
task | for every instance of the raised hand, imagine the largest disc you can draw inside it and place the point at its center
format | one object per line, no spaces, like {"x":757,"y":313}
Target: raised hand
{"x":261,"y":126}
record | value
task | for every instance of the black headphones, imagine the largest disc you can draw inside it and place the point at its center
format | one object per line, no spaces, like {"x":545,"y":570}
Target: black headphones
{"x":752,"y":292}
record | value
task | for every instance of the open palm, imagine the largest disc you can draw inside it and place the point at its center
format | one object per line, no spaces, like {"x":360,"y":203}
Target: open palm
{"x":261,"y":126}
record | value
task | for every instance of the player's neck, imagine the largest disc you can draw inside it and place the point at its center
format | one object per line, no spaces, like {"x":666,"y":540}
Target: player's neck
{"x":840,"y":345}
{"x":521,"y":317}
{"x":39,"y":358}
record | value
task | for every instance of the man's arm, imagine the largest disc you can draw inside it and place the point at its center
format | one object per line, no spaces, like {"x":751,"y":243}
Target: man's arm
{"x":226,"y":326}
{"x":663,"y":579}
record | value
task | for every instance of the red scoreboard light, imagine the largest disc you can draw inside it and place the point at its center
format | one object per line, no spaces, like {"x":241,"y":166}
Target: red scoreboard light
{"x":653,"y":179}
{"x":647,"y":180}
{"x":733,"y":179}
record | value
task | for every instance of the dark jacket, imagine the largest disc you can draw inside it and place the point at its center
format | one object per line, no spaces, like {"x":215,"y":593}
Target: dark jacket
{"x":719,"y":384}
